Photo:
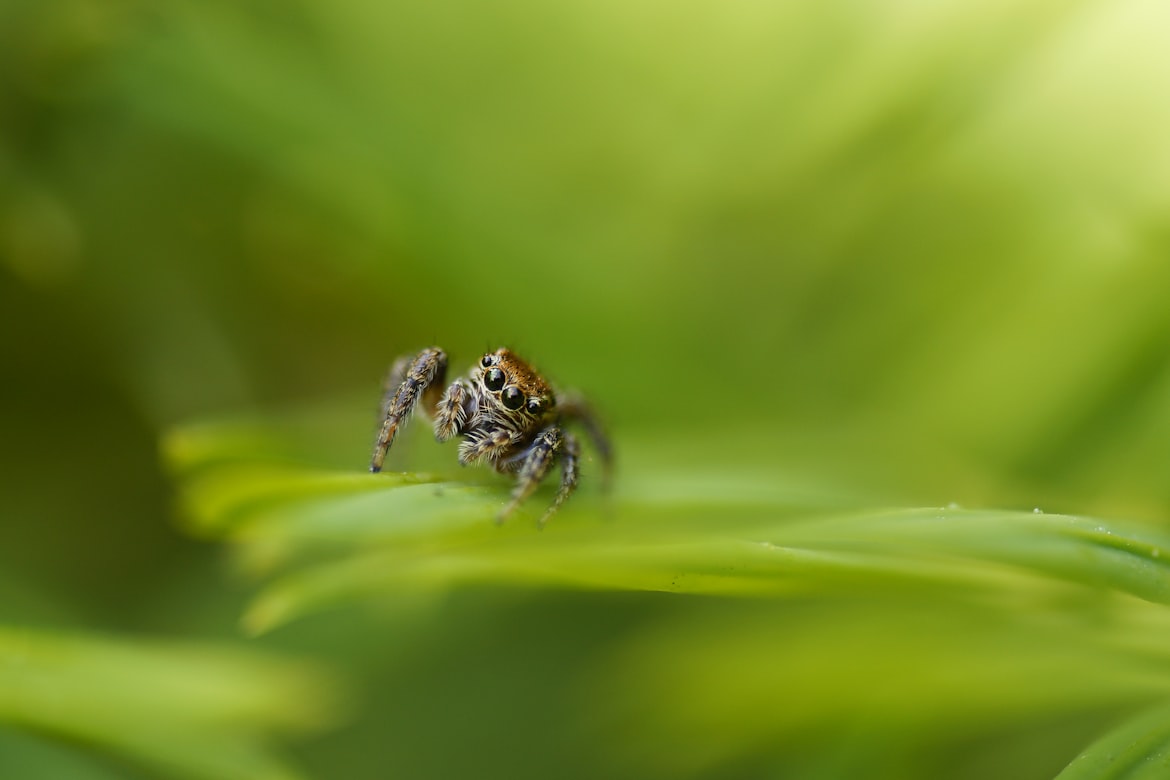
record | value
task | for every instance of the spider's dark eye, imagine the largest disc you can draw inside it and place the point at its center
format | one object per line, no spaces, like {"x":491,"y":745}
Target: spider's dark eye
{"x":487,"y":361}
{"x":512,"y":397}
{"x":493,"y":379}
{"x":535,"y":406}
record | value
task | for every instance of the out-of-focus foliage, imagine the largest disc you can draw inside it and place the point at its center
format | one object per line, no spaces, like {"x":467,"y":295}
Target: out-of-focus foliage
{"x":183,"y":711}
{"x":812,"y":260}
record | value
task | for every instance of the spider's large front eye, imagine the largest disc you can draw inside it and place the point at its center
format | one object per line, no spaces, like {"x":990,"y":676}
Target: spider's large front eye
{"x":494,"y":379}
{"x":512,"y":397}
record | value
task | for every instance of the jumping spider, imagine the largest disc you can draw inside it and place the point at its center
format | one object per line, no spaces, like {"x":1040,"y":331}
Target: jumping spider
{"x":506,"y":413}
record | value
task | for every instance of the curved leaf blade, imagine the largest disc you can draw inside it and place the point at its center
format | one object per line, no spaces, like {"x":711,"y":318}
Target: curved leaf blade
{"x":1137,"y":750}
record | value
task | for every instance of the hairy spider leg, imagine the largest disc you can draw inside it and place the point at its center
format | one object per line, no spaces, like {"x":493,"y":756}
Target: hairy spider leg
{"x":537,"y":459}
{"x":454,"y":410}
{"x":425,"y":374}
{"x":391,"y":383}
{"x":574,"y":407}
{"x":569,"y":457}
{"x":490,"y":446}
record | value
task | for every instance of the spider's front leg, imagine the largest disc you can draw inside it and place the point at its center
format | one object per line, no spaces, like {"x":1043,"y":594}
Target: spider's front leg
{"x":489,"y":445}
{"x":421,"y":377}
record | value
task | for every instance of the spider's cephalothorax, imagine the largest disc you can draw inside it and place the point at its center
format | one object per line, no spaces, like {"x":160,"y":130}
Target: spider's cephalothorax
{"x":506,"y":413}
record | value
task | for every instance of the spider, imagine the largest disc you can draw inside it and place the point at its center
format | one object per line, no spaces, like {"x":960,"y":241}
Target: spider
{"x":506,"y":413}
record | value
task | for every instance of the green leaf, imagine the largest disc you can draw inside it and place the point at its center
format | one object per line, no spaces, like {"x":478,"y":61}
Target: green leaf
{"x":821,"y":607}
{"x":334,"y":537}
{"x":186,"y":711}
{"x":1137,"y":750}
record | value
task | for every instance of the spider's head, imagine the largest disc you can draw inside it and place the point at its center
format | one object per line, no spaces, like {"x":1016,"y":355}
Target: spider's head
{"x":512,"y":385}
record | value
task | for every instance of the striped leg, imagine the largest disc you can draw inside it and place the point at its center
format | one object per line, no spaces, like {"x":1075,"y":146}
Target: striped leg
{"x":569,"y":457}
{"x":574,"y":407}
{"x":392,"y":382}
{"x":453,"y":411}
{"x":489,"y":446}
{"x":537,"y":461}
{"x":428,"y":369}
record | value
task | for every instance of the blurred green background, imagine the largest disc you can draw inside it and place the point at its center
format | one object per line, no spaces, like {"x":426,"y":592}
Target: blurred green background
{"x":886,"y":254}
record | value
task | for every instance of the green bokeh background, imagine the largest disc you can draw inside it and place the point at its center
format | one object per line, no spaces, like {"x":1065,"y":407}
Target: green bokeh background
{"x":906,"y":253}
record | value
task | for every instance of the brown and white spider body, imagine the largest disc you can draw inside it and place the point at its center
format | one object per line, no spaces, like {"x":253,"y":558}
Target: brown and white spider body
{"x":506,"y":413}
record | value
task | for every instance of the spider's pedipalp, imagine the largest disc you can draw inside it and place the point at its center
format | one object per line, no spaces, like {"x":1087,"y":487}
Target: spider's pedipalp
{"x":454,"y":410}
